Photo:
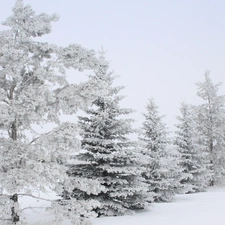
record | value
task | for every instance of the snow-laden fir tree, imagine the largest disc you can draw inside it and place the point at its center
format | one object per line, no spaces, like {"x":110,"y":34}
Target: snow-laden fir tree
{"x":211,"y":122}
{"x":109,"y":156}
{"x":34,"y":90}
{"x":192,"y":148}
{"x":161,"y":167}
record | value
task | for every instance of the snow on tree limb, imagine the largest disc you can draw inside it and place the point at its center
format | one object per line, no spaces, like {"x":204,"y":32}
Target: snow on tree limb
{"x":34,"y":90}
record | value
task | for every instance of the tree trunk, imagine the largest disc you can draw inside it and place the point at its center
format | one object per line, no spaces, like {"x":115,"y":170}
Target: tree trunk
{"x":14,"y":131}
{"x":15,"y":217}
{"x":212,"y":182}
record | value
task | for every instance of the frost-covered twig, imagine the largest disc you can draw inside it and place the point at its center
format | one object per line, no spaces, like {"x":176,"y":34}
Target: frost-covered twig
{"x":32,"y":208}
{"x":30,"y":195}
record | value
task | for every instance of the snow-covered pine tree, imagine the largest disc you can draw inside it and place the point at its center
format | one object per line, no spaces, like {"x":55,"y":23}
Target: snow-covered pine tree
{"x":192,"y":148}
{"x":109,"y":155}
{"x":161,"y":168}
{"x":34,"y":90}
{"x":211,"y":119}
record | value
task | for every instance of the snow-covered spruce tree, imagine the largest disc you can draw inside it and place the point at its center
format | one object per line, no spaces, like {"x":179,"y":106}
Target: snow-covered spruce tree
{"x":162,"y":172}
{"x":192,"y":147}
{"x":211,"y":120}
{"x":34,"y":90}
{"x":109,"y":155}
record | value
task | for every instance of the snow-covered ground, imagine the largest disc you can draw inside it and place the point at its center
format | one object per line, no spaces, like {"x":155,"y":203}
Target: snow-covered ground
{"x":206,"y":208}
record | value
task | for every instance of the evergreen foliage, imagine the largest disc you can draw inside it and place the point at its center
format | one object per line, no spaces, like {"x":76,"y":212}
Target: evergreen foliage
{"x":192,"y":147}
{"x":109,"y":155}
{"x":34,"y":91}
{"x":161,"y":169}
{"x":114,"y":175}
{"x":211,"y":123}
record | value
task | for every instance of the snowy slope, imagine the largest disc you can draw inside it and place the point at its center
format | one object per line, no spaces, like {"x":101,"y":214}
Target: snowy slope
{"x":206,"y":208}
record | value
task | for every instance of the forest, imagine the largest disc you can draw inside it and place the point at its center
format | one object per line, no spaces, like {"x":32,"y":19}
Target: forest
{"x":91,"y":164}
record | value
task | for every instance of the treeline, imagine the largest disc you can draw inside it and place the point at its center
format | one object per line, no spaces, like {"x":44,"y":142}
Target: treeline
{"x":112,"y":175}
{"x":157,"y":166}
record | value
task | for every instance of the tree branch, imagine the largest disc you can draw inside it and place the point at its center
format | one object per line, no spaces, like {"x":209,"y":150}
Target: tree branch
{"x":32,"y":208}
{"x":5,"y":219}
{"x":30,"y":195}
{"x":38,"y":137}
{"x":5,"y":195}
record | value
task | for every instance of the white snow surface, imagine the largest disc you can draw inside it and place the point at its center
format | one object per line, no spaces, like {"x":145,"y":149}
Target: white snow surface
{"x":207,"y":208}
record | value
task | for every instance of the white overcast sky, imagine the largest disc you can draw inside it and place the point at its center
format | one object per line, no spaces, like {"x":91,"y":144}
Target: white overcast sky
{"x":159,"y":48}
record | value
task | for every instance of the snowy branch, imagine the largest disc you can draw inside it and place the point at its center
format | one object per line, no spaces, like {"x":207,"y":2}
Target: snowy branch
{"x":30,"y":195}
